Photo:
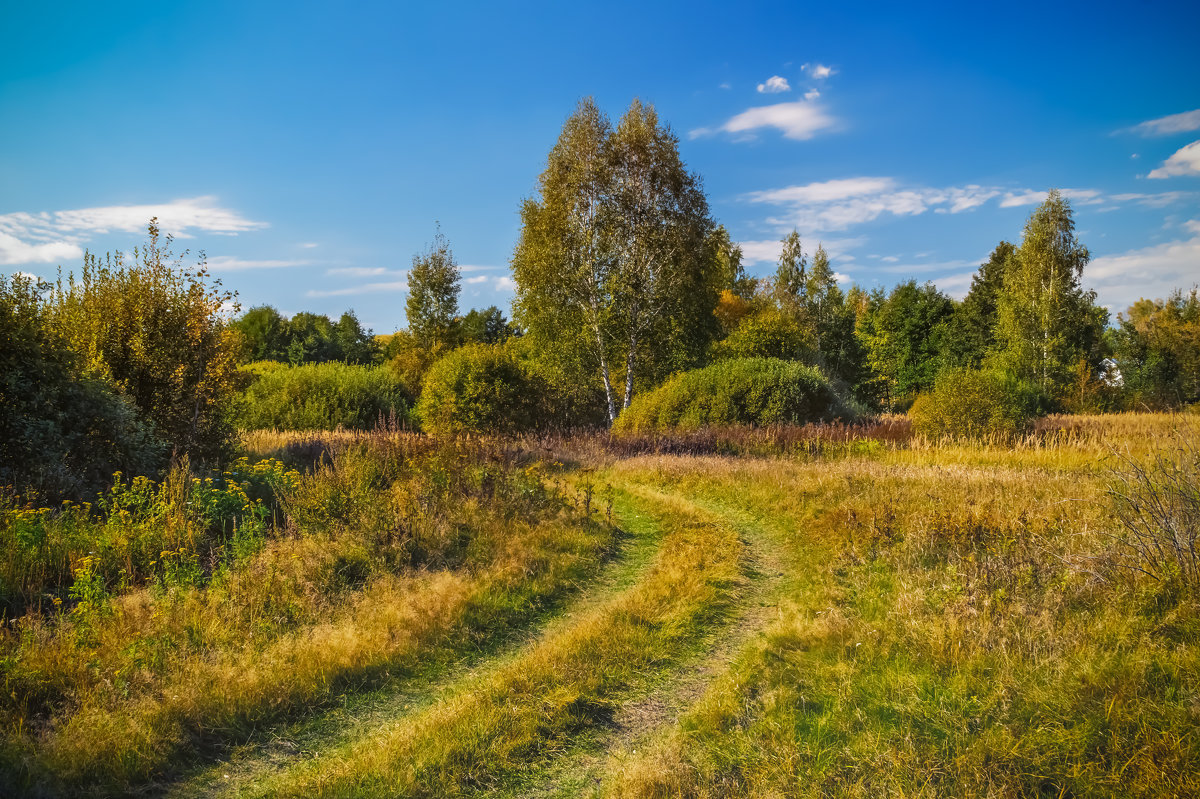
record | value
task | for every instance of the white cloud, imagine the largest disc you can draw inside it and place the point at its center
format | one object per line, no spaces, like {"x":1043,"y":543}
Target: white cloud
{"x":1165,"y":126}
{"x":369,"y":288}
{"x":477,"y":268}
{"x":774,"y":85}
{"x":799,"y":120}
{"x":766,"y":251}
{"x":889,"y":259}
{"x":956,"y":285}
{"x":57,"y":235}
{"x":229,"y":263}
{"x":1031,"y":197}
{"x":473,"y":281}
{"x":725,"y":85}
{"x":811,"y":94}
{"x":363,"y":271}
{"x":308,"y":245}
{"x":821,"y":72}
{"x":15,"y":251}
{"x":839,"y":204}
{"x":1185,"y":161}
{"x":505,"y":283}
{"x":1155,"y":271}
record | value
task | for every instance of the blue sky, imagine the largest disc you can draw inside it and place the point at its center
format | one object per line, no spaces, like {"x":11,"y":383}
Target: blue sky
{"x":310,"y":148}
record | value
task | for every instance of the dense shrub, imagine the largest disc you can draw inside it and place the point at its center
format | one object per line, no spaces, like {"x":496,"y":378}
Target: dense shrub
{"x":322,"y":396}
{"x":155,"y":330}
{"x":61,"y":436}
{"x":479,"y":388}
{"x":756,"y":391}
{"x":974,"y":403}
{"x":770,"y":333}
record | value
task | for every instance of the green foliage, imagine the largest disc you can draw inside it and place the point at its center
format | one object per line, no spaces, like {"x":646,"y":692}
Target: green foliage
{"x":1045,"y":321}
{"x":903,"y":334}
{"x":485,"y":327}
{"x":753,"y":391}
{"x":61,"y":436}
{"x":323,"y":396}
{"x":479,"y":388}
{"x":617,"y":268}
{"x":139,"y":531}
{"x":768,"y":333}
{"x":791,"y":275}
{"x":433,"y":287}
{"x":1157,"y":349}
{"x":156,"y":331}
{"x":975,"y":404}
{"x":972,"y":331}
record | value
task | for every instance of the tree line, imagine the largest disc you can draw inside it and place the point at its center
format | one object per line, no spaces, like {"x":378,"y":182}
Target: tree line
{"x":623,"y":280}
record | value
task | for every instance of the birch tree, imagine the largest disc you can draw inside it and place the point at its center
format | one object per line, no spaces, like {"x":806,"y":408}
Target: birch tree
{"x":1043,"y":313}
{"x":616,"y":270}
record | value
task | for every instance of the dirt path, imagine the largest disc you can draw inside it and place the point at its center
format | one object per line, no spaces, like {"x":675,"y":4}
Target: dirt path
{"x":659,"y":706}
{"x":236,"y":771}
{"x":650,"y":707}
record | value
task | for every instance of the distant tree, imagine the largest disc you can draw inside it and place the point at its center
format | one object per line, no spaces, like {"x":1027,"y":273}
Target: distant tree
{"x":264,"y":334}
{"x":902,"y":334}
{"x":791,"y":275}
{"x":731,"y":272}
{"x":354,"y":344}
{"x":615,"y":268}
{"x":973,"y":328}
{"x":157,"y":331}
{"x":1046,"y":322}
{"x":311,"y":339}
{"x":1157,"y":349}
{"x":433,"y":287}
{"x":485,"y":327}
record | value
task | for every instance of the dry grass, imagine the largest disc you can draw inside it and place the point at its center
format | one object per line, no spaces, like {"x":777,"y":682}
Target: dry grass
{"x":497,"y":726}
{"x":951,"y":648}
{"x":395,"y":558}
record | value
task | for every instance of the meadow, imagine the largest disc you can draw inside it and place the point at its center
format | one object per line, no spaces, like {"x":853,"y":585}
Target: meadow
{"x":780,"y":611}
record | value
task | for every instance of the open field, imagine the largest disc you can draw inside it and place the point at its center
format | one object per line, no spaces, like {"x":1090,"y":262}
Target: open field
{"x":794,"y":611}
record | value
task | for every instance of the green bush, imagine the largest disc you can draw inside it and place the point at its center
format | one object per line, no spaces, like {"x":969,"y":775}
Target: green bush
{"x":61,"y":435}
{"x":754,"y":391}
{"x":770,"y":333}
{"x":479,"y":388}
{"x":975,"y":403}
{"x":322,"y":396}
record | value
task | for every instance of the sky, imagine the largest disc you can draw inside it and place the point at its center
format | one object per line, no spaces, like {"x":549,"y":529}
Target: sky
{"x":311,"y":149}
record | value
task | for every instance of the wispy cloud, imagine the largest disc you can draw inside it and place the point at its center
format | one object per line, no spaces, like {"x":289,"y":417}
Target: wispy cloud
{"x":818,"y":71}
{"x":1032,"y":197}
{"x":50,"y":236}
{"x":766,"y":251}
{"x":1155,"y":271}
{"x":834,"y":205}
{"x":308,"y":245}
{"x":368,"y":288}
{"x":842,"y":203}
{"x":505,"y":283}
{"x":15,"y":251}
{"x":229,"y":263}
{"x":799,"y":120}
{"x":1185,"y":161}
{"x":363,"y":271}
{"x":1165,"y":126}
{"x":774,"y":85}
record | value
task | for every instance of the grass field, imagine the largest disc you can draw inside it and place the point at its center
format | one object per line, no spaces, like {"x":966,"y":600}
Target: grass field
{"x":781,"y":612}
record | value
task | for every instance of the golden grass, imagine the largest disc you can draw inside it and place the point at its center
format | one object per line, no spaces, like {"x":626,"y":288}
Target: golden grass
{"x":530,"y":709}
{"x":109,"y":696}
{"x":953,"y":646}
